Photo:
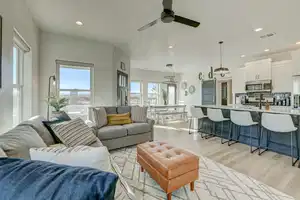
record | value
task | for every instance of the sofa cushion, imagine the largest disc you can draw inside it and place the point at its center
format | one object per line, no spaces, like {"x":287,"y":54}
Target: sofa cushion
{"x":111,"y":132}
{"x":100,"y":117}
{"x":139,"y":114}
{"x":2,"y":154}
{"x":98,"y":143}
{"x":123,"y":109}
{"x":37,"y":124}
{"x":74,"y":133}
{"x":137,"y":128}
{"x":111,"y":110}
{"x":17,"y":142}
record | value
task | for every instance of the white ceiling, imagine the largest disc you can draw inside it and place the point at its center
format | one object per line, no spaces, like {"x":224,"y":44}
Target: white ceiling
{"x":233,"y":21}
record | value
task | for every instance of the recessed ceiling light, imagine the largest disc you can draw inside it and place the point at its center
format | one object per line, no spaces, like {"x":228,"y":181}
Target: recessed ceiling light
{"x":266,"y":50}
{"x":258,"y":29}
{"x":170,"y":47}
{"x":79,"y":23}
{"x":298,"y":42}
{"x":243,"y":56}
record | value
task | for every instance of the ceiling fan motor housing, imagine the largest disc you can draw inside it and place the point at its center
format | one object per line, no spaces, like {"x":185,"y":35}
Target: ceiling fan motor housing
{"x":167,"y":16}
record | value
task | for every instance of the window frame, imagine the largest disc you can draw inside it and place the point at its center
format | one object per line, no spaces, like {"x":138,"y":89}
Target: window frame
{"x":158,"y":94}
{"x":19,"y":84}
{"x":75,"y":65}
{"x":141,"y":91}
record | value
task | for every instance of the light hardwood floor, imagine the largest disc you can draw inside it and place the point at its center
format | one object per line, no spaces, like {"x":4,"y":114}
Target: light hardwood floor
{"x":270,"y":168}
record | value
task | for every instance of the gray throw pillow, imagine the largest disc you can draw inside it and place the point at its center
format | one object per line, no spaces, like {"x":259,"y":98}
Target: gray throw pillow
{"x":100,"y":116}
{"x":139,"y":114}
{"x":37,"y":124}
{"x":2,"y":154}
{"x":17,"y":142}
{"x":74,"y":133}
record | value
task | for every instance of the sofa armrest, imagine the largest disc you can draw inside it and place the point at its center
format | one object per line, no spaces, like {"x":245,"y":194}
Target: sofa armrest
{"x":92,"y":125}
{"x":151,"y":122}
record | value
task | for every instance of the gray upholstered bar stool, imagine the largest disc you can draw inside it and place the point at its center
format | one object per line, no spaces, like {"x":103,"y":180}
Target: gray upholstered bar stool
{"x":280,"y":123}
{"x":216,"y":116}
{"x":241,"y":119}
{"x":197,"y":113}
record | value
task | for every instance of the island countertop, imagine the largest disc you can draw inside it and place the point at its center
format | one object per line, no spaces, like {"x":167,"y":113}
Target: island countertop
{"x":273,"y":109}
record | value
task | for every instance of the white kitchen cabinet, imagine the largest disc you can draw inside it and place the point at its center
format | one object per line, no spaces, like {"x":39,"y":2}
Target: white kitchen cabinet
{"x":258,"y":70}
{"x":282,"y":73}
{"x":238,"y":80}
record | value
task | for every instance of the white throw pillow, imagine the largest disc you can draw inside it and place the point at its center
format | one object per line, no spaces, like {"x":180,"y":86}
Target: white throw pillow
{"x":80,"y":156}
{"x":2,"y":154}
{"x":139,"y":114}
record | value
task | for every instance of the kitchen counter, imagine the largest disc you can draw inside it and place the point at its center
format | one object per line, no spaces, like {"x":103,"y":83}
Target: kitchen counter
{"x":273,"y":109}
{"x":279,"y":142}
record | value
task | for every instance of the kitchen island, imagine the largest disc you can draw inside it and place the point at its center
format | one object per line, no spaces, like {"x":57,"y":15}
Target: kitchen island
{"x":278,"y":142}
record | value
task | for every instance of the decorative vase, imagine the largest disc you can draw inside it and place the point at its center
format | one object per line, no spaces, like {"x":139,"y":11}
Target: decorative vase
{"x":57,"y":113}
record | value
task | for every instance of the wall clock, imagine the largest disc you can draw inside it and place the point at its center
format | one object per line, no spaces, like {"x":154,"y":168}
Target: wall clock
{"x":192,"y":89}
{"x":184,"y":85}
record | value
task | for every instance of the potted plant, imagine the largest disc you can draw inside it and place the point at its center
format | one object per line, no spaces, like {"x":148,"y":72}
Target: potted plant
{"x":165,"y":96}
{"x":57,"y":103}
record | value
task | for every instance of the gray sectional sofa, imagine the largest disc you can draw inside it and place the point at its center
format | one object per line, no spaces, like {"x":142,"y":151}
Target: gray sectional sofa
{"x":114,"y":137}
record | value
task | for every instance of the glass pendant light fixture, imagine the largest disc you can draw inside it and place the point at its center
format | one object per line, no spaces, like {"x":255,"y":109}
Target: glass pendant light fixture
{"x":221,"y":70}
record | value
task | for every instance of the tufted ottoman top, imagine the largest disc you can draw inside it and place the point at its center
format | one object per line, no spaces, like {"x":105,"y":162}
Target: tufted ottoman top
{"x":169,"y":161}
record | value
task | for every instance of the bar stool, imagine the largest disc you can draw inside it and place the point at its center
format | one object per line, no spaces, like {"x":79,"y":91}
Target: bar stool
{"x":241,"y":119}
{"x":279,"y":123}
{"x":197,"y":113}
{"x":216,"y":116}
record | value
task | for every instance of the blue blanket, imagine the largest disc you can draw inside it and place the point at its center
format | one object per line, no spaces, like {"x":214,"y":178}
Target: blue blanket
{"x":37,"y":180}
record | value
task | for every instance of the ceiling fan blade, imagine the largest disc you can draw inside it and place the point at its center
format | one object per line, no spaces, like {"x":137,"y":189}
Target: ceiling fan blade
{"x":186,"y":21}
{"x":148,"y":25}
{"x":168,"y":4}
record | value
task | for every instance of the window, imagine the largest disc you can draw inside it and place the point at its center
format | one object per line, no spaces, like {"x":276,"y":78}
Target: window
{"x":75,"y":80}
{"x":135,"y":93}
{"x":18,"y":63}
{"x":172,"y":94}
{"x":153,"y":93}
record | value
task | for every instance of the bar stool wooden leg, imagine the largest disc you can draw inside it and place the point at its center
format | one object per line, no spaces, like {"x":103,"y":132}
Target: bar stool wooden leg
{"x":169,"y":196}
{"x":192,"y":184}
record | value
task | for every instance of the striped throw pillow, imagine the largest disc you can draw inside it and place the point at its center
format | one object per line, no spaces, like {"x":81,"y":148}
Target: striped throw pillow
{"x":74,"y":133}
{"x":139,"y":114}
{"x":119,"y":119}
{"x":100,"y":117}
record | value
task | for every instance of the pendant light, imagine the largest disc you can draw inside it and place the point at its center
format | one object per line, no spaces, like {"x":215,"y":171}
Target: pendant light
{"x":221,"y":70}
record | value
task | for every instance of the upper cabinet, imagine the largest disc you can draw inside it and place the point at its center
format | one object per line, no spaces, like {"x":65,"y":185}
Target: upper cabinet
{"x":282,"y":73}
{"x":258,"y":70}
{"x":238,"y":80}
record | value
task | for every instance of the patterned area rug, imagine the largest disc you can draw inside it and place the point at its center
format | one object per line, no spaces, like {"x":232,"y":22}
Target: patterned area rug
{"x":216,"y":182}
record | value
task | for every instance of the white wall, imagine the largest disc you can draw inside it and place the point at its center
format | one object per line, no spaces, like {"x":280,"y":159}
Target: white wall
{"x":53,"y":47}
{"x":16,"y":15}
{"x":191,"y":99}
{"x":148,"y":76}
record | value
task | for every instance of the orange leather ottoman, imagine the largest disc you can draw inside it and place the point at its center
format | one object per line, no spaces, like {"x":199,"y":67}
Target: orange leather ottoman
{"x":170,"y":167}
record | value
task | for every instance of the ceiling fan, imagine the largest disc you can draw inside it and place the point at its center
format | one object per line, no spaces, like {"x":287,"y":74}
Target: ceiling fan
{"x":168,"y":16}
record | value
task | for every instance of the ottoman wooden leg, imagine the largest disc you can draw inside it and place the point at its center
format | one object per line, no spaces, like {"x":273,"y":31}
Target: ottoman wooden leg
{"x":169,"y":196}
{"x":142,"y":169}
{"x":192,"y":184}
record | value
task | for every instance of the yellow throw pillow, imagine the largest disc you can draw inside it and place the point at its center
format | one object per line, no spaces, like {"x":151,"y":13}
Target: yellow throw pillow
{"x":118,"y":119}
